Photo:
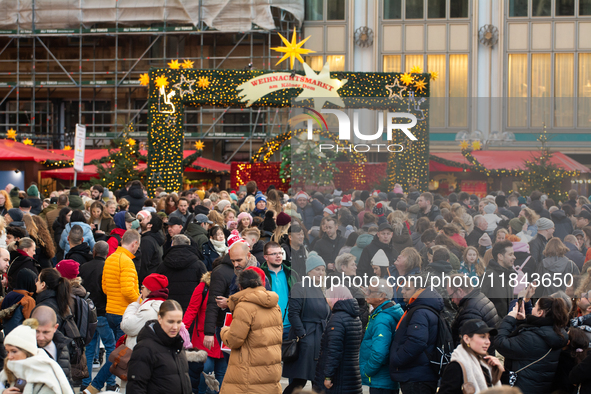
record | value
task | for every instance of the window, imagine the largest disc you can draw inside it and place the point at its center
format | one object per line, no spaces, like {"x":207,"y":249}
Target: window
{"x":313,"y":10}
{"x":413,"y":60}
{"x":541,"y":8}
{"x":436,"y":9}
{"x":315,"y":62}
{"x":414,"y":9}
{"x":584,"y":7}
{"x":517,"y":7}
{"x":335,"y":10}
{"x":392,"y":64}
{"x":392,"y":9}
{"x":541,"y":88}
{"x":584,"y":91}
{"x":565,"y":7}
{"x":336,"y":62}
{"x":458,"y":9}
{"x":564,"y":89}
{"x":517,"y":90}
{"x":437,"y":99}
{"x":458,"y":90}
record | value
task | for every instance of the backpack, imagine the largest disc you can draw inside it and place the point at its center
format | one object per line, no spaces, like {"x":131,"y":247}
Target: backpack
{"x":444,"y":344}
{"x":85,"y":317}
{"x":76,"y":344}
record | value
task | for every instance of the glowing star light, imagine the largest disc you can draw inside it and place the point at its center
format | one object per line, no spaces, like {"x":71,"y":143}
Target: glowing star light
{"x":67,"y":147}
{"x":420,"y":84}
{"x":187,"y":64}
{"x":28,"y":141}
{"x":131,"y":142}
{"x":174,"y":64}
{"x":476,"y":145}
{"x":11,"y":134}
{"x":199,"y":145}
{"x":161,"y":81}
{"x":396,"y":84}
{"x":464,"y":144}
{"x":407,"y":79}
{"x":292,"y":49}
{"x":203,"y":82}
{"x":144,"y":79}
{"x":184,"y":81}
{"x":434,"y":75}
{"x":416,"y":70}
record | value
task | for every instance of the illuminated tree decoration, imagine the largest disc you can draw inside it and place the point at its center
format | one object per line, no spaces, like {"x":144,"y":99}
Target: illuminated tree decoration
{"x":11,"y":134}
{"x":144,"y":79}
{"x":174,"y":64}
{"x":28,"y":141}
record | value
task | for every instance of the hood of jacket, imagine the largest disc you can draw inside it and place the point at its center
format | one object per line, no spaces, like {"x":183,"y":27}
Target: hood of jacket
{"x":180,"y":257}
{"x":430,"y":298}
{"x":152,"y":330}
{"x":395,"y":310}
{"x":135,"y":192}
{"x":257,"y":247}
{"x":401,"y":239}
{"x":440,"y":266}
{"x":157,"y":236}
{"x":543,"y":328}
{"x":558,"y":215}
{"x":258,"y":295}
{"x":119,"y":220}
{"x":13,"y":192}
{"x":556,"y":264}
{"x":349,"y":306}
{"x":85,"y":227}
{"x":206,"y":278}
{"x":571,"y":247}
{"x":364,"y":240}
{"x":520,"y":247}
{"x":83,"y":248}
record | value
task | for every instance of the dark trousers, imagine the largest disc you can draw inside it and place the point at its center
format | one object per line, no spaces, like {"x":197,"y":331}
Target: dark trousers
{"x":295,"y":384}
{"x":373,"y":390}
{"x":418,"y":387}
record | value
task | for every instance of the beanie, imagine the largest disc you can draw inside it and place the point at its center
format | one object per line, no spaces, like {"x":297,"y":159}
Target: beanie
{"x":283,"y":219}
{"x":244,"y":215}
{"x":379,"y":210}
{"x":201,"y":194}
{"x":15,"y":214}
{"x":517,"y":224}
{"x":484,"y":240}
{"x":68,"y":269}
{"x":154,"y":282}
{"x":500,"y":201}
{"x":23,"y":337}
{"x":364,"y":195}
{"x":33,"y":191}
{"x":260,"y":197}
{"x":223,"y":204}
{"x":269,"y":222}
{"x":25,"y":203}
{"x":490,"y":209}
{"x":380,"y":259}
{"x":233,"y":196}
{"x":544,"y":224}
{"x":398,"y":189}
{"x":258,"y":271}
{"x":521,"y":200}
{"x":314,"y":260}
{"x":234,"y":239}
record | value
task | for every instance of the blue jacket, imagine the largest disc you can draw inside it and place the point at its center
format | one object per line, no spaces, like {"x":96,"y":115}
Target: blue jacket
{"x":414,"y":340}
{"x":88,"y":237}
{"x":374,"y":355}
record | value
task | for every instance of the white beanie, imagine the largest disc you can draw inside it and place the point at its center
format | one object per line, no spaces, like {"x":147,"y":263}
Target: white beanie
{"x":23,"y":337}
{"x":380,"y":259}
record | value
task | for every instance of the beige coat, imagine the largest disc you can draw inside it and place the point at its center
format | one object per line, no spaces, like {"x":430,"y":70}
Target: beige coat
{"x":255,"y":337}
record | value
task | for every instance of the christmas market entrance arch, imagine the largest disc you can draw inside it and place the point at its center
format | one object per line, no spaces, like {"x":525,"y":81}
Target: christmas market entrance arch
{"x":171,"y":89}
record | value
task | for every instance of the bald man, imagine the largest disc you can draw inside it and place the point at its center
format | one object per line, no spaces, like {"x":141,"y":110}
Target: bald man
{"x":50,"y":339}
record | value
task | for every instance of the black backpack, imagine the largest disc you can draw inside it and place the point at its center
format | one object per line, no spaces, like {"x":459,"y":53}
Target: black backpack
{"x":444,"y":346}
{"x":85,"y":317}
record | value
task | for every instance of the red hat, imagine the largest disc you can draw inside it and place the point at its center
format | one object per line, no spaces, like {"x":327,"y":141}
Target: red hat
{"x":346,"y":201}
{"x":302,"y":194}
{"x":154,"y":282}
{"x":331,"y":209}
{"x":258,"y":271}
{"x":68,"y":269}
{"x":235,"y":238}
{"x":283,"y":219}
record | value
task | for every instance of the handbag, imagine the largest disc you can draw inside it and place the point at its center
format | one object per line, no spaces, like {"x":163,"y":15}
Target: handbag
{"x":467,"y":387}
{"x":513,"y":375}
{"x":120,"y":359}
{"x":290,"y":350}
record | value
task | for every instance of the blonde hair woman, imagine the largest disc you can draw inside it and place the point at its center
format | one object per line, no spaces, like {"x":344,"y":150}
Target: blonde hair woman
{"x":248,"y":205}
{"x":5,"y":203}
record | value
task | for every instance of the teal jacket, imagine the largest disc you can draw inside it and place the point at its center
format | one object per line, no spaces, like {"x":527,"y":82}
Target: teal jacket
{"x":374,"y":355}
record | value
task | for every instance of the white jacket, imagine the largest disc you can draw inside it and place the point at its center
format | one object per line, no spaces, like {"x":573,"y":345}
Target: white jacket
{"x":135,"y":317}
{"x":43,"y":375}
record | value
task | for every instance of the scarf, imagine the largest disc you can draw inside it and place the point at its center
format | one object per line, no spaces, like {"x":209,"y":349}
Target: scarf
{"x":412,"y":299}
{"x":158,"y":295}
{"x":473,"y":368}
{"x":220,"y":247}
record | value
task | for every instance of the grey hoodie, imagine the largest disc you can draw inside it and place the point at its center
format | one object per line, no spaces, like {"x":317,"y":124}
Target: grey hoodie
{"x":555,"y":265}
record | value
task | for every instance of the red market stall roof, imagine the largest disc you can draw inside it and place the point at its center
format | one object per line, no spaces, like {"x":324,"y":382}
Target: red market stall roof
{"x":89,"y":172}
{"x":89,"y":154}
{"x":498,"y":160}
{"x":17,"y":151}
{"x":207,"y":164}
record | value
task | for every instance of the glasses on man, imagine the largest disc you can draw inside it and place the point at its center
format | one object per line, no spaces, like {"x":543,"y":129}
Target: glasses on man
{"x":274,"y":254}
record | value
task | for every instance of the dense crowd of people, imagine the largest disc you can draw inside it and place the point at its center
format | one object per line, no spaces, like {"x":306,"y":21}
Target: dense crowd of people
{"x":229,"y":291}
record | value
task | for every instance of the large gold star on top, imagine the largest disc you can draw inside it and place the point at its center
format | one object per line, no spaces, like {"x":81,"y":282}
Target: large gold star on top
{"x":476,"y":145}
{"x":292,"y":49}
{"x":184,"y":81}
{"x":11,"y":134}
{"x":396,"y":84}
{"x":321,"y":96}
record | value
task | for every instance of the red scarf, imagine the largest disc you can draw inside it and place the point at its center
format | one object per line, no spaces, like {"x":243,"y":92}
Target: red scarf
{"x":158,"y":295}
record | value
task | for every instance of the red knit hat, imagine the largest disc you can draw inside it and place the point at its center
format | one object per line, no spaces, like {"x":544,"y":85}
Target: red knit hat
{"x":235,"y":238}
{"x":154,"y":282}
{"x":258,"y":271}
{"x":68,"y":269}
{"x":283,"y":219}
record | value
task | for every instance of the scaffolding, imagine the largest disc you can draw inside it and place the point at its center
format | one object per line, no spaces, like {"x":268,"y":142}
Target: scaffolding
{"x":52,"y":78}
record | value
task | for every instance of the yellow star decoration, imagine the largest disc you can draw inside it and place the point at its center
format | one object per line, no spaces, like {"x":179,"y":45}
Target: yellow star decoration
{"x":11,"y":134}
{"x":131,"y":142}
{"x":420,"y":84}
{"x":67,"y":147}
{"x":203,"y":82}
{"x":292,"y":49}
{"x":28,"y":141}
{"x":174,"y":64}
{"x":416,"y":70}
{"x":407,"y":79}
{"x":144,"y":79}
{"x":464,"y":144}
{"x":161,"y":81}
{"x":476,"y":145}
{"x":434,"y":75}
{"x":187,"y":64}
{"x":199,"y":145}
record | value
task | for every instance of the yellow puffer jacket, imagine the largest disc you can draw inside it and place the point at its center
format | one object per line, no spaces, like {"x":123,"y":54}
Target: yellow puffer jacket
{"x":120,"y":282}
{"x":255,"y":337}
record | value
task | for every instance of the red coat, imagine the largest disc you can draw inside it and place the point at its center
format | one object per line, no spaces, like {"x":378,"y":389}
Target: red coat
{"x":197,"y":307}
{"x":113,"y":241}
{"x":459,"y":240}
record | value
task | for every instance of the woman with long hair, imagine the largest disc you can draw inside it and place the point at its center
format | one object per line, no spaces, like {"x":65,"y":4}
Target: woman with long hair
{"x":283,"y":223}
{"x":40,"y":234}
{"x":555,"y":262}
{"x":58,"y":227}
{"x":453,"y":232}
{"x":248,"y":205}
{"x":5,"y":203}
{"x":215,"y":247}
{"x":171,"y":203}
{"x":369,"y":204}
{"x":471,"y":264}
{"x":460,"y":218}
{"x":273,"y":201}
{"x":55,"y":292}
{"x":21,"y":256}
{"x":532,"y":344}
{"x":454,"y":247}
{"x":100,"y":221}
{"x":217,"y":218}
{"x":244,"y":221}
{"x":470,"y":362}
{"x":530,"y":228}
{"x":25,"y":361}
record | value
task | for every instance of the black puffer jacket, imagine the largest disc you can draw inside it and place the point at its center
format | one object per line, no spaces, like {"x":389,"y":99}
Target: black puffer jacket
{"x":328,"y":248}
{"x":474,"y":236}
{"x":563,"y":226}
{"x":182,"y":267}
{"x":18,"y":261}
{"x":339,"y":350}
{"x":63,"y":355}
{"x":49,"y":298}
{"x":364,"y":263}
{"x":80,"y":253}
{"x":158,"y":363}
{"x":475,"y":305}
{"x":151,"y":253}
{"x":258,"y":251}
{"x":525,"y":342}
{"x":399,"y":242}
{"x":136,"y":198}
{"x":221,"y":278}
{"x":536,"y":248}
